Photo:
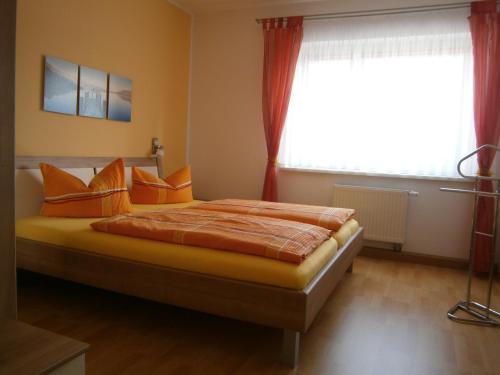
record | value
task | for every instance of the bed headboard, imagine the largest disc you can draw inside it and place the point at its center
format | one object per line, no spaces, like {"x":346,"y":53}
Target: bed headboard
{"x":29,"y":181}
{"x":33,"y":162}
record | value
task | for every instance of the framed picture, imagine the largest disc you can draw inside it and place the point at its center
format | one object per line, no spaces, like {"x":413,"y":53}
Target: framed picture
{"x":93,"y":91}
{"x":120,"y":98}
{"x":60,"y":86}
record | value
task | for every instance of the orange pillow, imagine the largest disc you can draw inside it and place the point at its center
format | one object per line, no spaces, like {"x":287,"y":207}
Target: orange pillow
{"x":149,"y":189}
{"x":68,"y":196}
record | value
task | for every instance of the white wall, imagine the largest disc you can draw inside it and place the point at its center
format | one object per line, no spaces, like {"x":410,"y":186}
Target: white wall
{"x":227,"y":146}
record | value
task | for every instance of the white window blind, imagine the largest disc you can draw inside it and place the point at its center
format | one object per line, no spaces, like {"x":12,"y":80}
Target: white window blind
{"x":383,"y":94}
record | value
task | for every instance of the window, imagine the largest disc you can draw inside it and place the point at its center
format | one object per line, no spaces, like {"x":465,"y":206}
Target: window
{"x":383,"y":95}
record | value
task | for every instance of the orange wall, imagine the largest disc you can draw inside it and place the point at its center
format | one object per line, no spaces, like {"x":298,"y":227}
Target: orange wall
{"x":146,"y":41}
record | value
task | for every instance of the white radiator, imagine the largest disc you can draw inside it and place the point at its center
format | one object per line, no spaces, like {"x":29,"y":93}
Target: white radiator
{"x":381,"y":211}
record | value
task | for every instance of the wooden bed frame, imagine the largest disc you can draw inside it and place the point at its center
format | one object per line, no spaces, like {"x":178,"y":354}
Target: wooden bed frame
{"x":287,"y":309}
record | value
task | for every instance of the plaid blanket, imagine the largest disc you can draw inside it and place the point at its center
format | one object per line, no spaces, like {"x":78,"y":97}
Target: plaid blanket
{"x":327,"y":217}
{"x":284,"y":240}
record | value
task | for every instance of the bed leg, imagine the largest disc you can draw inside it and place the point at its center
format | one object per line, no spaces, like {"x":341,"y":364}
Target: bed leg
{"x":290,"y":353}
{"x":349,"y":270}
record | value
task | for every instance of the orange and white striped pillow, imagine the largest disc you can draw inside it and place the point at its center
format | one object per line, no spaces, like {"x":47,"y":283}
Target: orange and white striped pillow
{"x":149,"y":189}
{"x":67,"y":196}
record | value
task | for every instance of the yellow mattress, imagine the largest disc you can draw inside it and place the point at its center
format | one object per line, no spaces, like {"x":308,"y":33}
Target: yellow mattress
{"x":77,"y":234}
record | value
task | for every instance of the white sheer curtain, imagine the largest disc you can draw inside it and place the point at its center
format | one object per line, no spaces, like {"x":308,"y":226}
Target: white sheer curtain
{"x":383,"y":94}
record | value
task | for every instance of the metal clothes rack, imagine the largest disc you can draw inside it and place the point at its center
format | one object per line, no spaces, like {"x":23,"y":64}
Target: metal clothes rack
{"x":479,"y":313}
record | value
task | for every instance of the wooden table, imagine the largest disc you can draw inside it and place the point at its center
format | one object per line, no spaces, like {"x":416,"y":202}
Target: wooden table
{"x":25,"y":349}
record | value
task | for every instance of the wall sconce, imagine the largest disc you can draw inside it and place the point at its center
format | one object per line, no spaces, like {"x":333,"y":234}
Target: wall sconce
{"x":156,"y":148}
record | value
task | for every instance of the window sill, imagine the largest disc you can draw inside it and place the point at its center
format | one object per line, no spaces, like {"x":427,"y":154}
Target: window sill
{"x":383,"y":175}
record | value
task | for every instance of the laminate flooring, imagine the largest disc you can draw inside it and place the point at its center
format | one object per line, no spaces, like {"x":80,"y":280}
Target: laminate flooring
{"x":386,"y":318}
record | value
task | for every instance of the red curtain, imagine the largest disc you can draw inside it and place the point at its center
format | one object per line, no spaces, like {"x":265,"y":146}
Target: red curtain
{"x":282,"y":39}
{"x":485,"y":30}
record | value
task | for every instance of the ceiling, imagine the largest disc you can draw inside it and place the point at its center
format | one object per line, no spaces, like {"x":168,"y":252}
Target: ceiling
{"x":206,"y":6}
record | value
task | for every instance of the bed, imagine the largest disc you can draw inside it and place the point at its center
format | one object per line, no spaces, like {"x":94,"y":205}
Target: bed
{"x":238,"y":286}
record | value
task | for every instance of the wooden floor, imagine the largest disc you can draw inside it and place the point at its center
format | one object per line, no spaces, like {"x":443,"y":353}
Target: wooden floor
{"x":385,"y":318}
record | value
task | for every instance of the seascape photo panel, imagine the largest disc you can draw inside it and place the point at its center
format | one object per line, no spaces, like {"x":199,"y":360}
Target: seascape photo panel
{"x":120,"y":98}
{"x":60,"y":86}
{"x":92,"y":93}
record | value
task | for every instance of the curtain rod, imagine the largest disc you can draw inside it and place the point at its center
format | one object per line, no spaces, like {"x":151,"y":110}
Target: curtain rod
{"x":381,"y":12}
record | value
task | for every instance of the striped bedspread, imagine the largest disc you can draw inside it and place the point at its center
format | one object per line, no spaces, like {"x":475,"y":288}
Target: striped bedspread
{"x":283,"y":240}
{"x":327,"y":217}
